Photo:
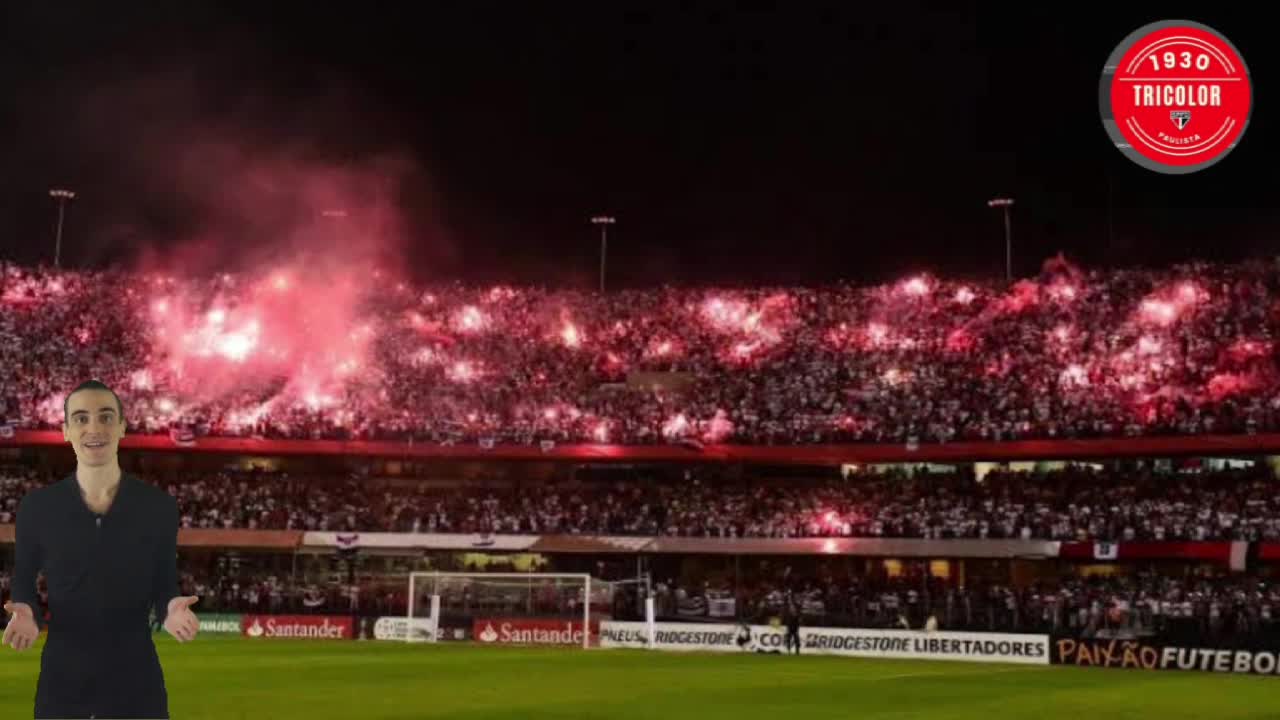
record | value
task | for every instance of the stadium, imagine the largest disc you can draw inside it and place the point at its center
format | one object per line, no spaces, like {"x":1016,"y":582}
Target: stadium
{"x":946,"y":485}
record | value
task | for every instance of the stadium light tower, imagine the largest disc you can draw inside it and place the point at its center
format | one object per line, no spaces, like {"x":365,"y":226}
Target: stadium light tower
{"x":62,"y":196}
{"x":1005,"y":203}
{"x":604,"y":221}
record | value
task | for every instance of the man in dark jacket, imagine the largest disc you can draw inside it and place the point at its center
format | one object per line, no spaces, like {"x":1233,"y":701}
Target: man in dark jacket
{"x":107,"y":543}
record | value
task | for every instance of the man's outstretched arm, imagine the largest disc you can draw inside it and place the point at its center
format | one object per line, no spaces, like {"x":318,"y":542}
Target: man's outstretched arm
{"x":29,"y":560}
{"x":166,"y":570}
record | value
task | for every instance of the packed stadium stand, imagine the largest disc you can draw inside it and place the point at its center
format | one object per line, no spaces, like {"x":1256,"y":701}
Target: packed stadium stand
{"x":1069,"y":354}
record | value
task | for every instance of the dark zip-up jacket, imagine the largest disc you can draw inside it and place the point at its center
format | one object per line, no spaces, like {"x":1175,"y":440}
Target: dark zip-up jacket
{"x":104,"y":572}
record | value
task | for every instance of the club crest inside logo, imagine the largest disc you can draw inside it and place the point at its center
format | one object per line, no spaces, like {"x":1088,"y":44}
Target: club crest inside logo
{"x":1180,"y":118}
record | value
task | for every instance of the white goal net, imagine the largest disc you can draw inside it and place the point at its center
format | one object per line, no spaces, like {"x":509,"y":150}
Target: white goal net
{"x":518,"y":608}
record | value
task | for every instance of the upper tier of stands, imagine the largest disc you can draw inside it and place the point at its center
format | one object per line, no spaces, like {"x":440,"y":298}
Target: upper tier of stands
{"x":1185,"y":350}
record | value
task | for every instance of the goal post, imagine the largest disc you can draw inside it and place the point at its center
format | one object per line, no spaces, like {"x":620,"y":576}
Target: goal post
{"x":440,"y":598}
{"x":527,"y":594}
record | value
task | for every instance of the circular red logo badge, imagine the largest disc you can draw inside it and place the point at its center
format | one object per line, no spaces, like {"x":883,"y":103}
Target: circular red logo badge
{"x":1175,"y":96}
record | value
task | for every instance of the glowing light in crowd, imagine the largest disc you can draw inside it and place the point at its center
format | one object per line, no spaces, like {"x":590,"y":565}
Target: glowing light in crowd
{"x":718,"y":428}
{"x":675,"y":426}
{"x":1166,"y":307}
{"x":315,"y":400}
{"x":462,"y":372}
{"x":241,"y":419}
{"x":1062,"y":291}
{"x":1244,"y":350}
{"x":876,"y":333}
{"x":601,"y":432}
{"x":1062,"y":333}
{"x":160,"y":306}
{"x":165,"y":405}
{"x":571,"y":336}
{"x":1159,"y":311}
{"x":725,"y":315}
{"x":425,"y":356}
{"x":140,"y":379}
{"x":217,"y":316}
{"x":1075,"y":375}
{"x":280,"y":282}
{"x":551,"y":414}
{"x":660,"y":348}
{"x":471,"y":320}
{"x":916,"y":286}
{"x":1023,"y":295}
{"x":964,"y":296}
{"x":1224,"y":385}
{"x":894,"y":376}
{"x":235,"y":346}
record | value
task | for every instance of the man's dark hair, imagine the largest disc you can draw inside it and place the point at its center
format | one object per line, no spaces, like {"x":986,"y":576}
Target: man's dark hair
{"x":91,"y":385}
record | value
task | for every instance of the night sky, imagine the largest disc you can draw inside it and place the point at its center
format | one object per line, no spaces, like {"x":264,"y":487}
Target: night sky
{"x":735,"y":146}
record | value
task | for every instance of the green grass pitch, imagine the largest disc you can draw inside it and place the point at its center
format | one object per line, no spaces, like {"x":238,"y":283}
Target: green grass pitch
{"x":233,"y":678}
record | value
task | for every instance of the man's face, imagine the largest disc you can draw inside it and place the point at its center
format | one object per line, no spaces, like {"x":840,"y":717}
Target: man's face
{"x":93,"y":427}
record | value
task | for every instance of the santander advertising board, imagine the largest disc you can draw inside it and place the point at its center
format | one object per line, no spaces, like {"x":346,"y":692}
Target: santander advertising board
{"x":524,"y":631}
{"x":297,"y":626}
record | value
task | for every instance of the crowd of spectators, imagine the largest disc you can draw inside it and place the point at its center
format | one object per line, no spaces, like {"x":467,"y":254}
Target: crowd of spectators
{"x":1212,"y":609}
{"x":1080,"y":503}
{"x":1068,"y":354}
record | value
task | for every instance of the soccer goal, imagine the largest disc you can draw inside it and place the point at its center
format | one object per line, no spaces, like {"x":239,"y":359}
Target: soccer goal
{"x":508,"y":604}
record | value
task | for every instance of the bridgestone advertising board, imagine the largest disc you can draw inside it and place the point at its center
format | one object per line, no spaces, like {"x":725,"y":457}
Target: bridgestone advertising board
{"x":905,"y":644}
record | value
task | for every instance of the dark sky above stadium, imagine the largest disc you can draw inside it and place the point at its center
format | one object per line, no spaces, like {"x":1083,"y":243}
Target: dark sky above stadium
{"x":749,"y":145}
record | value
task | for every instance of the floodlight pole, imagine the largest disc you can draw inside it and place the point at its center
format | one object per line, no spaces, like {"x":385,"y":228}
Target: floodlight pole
{"x":1006,"y":203}
{"x":62,"y":196}
{"x":604,"y":221}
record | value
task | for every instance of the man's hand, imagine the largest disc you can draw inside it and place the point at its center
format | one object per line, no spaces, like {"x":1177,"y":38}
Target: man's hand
{"x":22,"y":631}
{"x":180,"y":622}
